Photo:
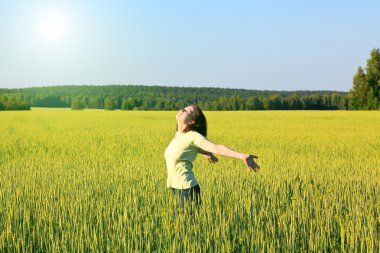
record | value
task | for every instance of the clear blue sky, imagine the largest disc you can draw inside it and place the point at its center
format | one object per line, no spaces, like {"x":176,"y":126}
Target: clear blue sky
{"x":275,"y":45}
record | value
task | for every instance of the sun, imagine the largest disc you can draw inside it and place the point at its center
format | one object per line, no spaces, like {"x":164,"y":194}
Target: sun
{"x":53,"y":25}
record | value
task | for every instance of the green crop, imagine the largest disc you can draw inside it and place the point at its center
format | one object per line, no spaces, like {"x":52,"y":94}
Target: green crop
{"x":95,"y":181}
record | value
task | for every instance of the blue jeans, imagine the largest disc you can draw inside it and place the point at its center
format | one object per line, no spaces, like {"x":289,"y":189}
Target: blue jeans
{"x":191,"y":195}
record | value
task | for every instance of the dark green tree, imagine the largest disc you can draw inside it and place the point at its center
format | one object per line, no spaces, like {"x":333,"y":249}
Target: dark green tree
{"x":359,"y":91}
{"x":1,"y":104}
{"x":274,"y":102}
{"x":124,"y":104}
{"x":373,"y":72}
{"x":76,"y":104}
{"x":96,"y":102}
{"x":253,"y":103}
{"x":294,"y":102}
{"x":365,"y":91}
{"x":110,"y":103}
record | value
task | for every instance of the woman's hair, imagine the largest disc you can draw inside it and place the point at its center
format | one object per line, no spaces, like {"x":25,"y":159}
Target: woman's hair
{"x":200,"y":123}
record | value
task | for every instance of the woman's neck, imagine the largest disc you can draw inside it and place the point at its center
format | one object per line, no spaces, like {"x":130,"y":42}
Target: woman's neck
{"x":181,"y":128}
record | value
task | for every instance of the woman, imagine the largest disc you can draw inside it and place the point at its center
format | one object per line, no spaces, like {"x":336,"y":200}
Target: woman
{"x":189,"y":140}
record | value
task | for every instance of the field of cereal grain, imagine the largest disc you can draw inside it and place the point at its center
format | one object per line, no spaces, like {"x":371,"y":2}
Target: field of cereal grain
{"x":95,"y":181}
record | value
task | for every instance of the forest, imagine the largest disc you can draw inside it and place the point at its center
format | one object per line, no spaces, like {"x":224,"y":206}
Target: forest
{"x":138,"y":97}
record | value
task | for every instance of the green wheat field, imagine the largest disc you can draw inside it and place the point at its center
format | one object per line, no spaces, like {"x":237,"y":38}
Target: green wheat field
{"x":95,"y":181}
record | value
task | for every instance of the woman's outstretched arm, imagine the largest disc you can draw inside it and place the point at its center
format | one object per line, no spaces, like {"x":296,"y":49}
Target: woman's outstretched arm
{"x":208,"y":146}
{"x":210,"y":157}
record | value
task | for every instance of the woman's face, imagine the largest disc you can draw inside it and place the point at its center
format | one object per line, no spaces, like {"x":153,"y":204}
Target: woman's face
{"x":185,"y":115}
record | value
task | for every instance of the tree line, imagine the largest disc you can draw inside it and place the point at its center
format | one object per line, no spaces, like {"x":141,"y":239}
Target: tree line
{"x":131,"y":97}
{"x":224,"y":103}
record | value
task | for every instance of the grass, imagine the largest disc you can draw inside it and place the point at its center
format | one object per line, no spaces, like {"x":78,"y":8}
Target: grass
{"x":94,"y":181}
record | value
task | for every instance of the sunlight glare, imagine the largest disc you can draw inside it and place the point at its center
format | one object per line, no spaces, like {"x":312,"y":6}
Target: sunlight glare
{"x":53,"y":26}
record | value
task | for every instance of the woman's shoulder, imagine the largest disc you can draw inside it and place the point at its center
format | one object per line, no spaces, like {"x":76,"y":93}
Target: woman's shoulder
{"x":196,"y":134}
{"x":190,"y":134}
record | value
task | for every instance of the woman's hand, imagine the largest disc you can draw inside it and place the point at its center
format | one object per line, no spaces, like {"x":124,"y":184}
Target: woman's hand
{"x":211,"y":158}
{"x":251,"y":164}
